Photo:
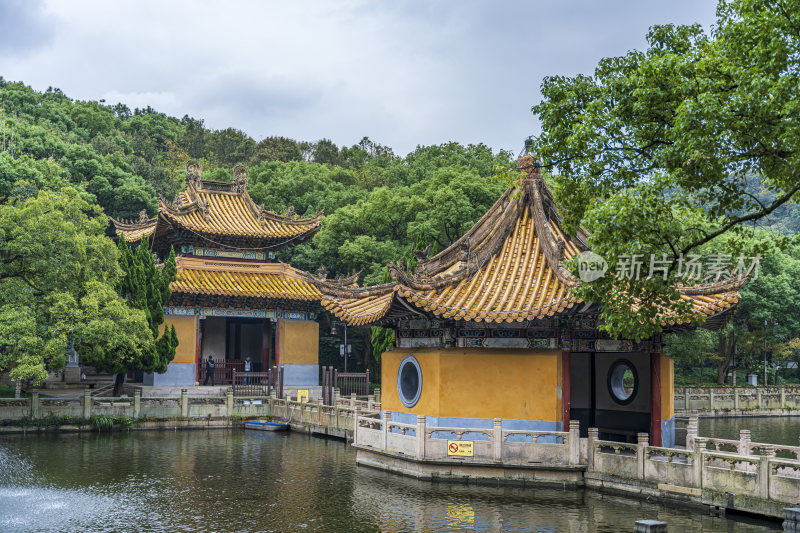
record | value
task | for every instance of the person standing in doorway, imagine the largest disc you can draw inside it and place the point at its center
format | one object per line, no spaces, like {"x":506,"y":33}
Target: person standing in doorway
{"x":248,"y":367}
{"x":209,"y":371}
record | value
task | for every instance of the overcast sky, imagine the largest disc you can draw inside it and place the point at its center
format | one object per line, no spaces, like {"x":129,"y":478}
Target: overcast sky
{"x":401,"y":72}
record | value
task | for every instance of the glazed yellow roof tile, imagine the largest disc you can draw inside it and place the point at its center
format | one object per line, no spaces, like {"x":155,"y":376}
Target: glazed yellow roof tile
{"x":516,"y":284}
{"x":231,"y":278}
{"x":231,"y":213}
{"x":138,"y":233}
{"x":360,"y":311}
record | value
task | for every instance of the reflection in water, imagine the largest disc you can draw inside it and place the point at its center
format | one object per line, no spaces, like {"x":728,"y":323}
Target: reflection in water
{"x":771,"y":430}
{"x":250,"y":481}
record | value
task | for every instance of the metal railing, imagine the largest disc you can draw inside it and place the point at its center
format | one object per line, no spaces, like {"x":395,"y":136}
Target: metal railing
{"x":347,"y":383}
{"x":224,"y":369}
{"x":256,"y":383}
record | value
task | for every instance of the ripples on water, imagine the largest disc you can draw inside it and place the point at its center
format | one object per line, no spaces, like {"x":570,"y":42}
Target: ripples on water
{"x":230,"y":481}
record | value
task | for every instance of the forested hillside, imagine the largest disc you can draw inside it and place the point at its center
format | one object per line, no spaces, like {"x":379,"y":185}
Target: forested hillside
{"x":378,"y":206}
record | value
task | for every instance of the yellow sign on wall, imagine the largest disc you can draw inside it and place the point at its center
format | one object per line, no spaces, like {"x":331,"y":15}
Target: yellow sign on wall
{"x":302,"y":395}
{"x":459,"y":447}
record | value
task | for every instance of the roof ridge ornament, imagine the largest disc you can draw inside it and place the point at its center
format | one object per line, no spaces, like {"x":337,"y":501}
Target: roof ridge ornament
{"x":240,"y":178}
{"x":143,"y":218}
{"x":422,"y":255}
{"x":466,"y":250}
{"x":531,"y":166}
{"x":194,"y":171}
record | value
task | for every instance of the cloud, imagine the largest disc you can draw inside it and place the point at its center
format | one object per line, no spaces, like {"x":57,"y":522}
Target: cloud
{"x":24,"y":26}
{"x":402,"y":73}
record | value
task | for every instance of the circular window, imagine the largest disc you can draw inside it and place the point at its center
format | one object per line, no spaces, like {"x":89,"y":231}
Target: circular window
{"x":409,"y":381}
{"x":623,"y":381}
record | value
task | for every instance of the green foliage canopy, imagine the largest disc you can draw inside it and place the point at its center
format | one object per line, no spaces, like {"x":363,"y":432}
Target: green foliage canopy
{"x":655,"y":153}
{"x":57,"y":279}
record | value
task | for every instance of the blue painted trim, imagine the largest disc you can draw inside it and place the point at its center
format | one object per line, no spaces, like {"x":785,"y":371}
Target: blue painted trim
{"x":668,"y":432}
{"x":409,"y":360}
{"x":301,"y":375}
{"x":482,"y":423}
{"x":177,"y":374}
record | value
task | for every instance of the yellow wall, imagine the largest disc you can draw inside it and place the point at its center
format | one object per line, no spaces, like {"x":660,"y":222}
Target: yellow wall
{"x":186,"y":329}
{"x":667,"y":370}
{"x":479,"y":383}
{"x":298,"y":342}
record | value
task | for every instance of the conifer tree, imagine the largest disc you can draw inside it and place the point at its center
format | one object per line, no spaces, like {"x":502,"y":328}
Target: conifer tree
{"x":146,"y":286}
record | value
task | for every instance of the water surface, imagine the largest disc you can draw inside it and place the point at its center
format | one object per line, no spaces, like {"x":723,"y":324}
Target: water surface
{"x":767,"y":429}
{"x":230,"y":481}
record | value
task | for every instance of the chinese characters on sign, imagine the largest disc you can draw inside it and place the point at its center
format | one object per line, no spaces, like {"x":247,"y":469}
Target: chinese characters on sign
{"x":692,"y":268}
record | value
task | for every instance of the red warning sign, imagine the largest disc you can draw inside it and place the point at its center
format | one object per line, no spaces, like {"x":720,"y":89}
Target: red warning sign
{"x":459,"y":447}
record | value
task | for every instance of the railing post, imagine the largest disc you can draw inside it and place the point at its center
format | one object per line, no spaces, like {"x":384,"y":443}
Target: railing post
{"x":229,"y":402}
{"x":369,"y":403}
{"x":356,"y":414}
{"x":421,"y":430}
{"x":783,"y":397}
{"x":686,"y":399}
{"x":87,"y":403}
{"x":697,"y":461}
{"x":352,"y":399}
{"x":712,"y":407}
{"x":367,"y":382}
{"x":378,"y":395}
{"x":593,"y":434}
{"x":574,"y":442}
{"x":497,"y":440}
{"x":233,"y":382}
{"x":387,"y":418}
{"x":336,"y":396}
{"x":320,"y":403}
{"x":336,"y":410}
{"x":137,"y":402}
{"x":35,"y":403}
{"x":744,"y":442}
{"x":763,"y":472}
{"x":691,"y":432}
{"x":185,"y":403}
{"x":271,"y":403}
{"x":736,"y":398}
{"x":758,"y":401}
{"x":643,"y":441}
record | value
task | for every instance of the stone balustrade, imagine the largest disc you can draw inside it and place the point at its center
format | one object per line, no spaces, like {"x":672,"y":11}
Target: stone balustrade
{"x":687,"y":399}
{"x":338,"y":420}
{"x":743,"y":446}
{"x":755,"y":480}
{"x":510,"y":447}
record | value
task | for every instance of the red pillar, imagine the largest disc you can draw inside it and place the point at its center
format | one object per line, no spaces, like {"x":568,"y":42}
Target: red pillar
{"x":278,"y":343}
{"x":565,"y":390}
{"x":197,"y":344}
{"x":265,"y":345}
{"x":655,"y":399}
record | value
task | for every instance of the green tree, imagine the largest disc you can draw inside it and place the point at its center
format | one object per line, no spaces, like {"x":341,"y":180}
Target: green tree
{"x":145,"y":286}
{"x":57,"y":277}
{"x":276,"y":149}
{"x":654,"y":152}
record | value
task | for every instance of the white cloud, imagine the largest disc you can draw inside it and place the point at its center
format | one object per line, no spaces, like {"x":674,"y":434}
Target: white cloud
{"x":403,"y":73}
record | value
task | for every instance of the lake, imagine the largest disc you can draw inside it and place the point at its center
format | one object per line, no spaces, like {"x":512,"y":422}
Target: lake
{"x":236,"y":480}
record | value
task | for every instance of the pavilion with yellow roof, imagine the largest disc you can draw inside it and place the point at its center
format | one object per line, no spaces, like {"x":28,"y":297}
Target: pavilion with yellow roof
{"x":488,"y":329}
{"x":231,"y":299}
